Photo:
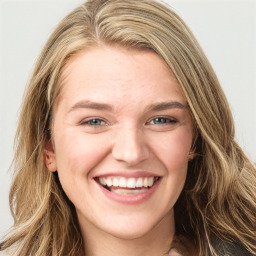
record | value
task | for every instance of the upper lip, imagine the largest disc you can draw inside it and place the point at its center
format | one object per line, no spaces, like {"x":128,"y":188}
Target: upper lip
{"x":128,"y":174}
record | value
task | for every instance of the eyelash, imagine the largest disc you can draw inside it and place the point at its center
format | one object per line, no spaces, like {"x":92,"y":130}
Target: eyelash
{"x":88,"y":122}
{"x":165,"y":120}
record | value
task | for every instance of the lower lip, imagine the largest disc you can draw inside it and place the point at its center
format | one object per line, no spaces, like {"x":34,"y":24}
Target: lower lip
{"x":130,"y":199}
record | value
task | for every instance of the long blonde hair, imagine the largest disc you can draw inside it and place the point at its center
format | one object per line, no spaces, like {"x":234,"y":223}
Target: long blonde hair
{"x":218,"y":200}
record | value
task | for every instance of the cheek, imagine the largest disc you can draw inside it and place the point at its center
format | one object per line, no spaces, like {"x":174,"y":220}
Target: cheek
{"x":173,"y":149}
{"x":78,"y":153}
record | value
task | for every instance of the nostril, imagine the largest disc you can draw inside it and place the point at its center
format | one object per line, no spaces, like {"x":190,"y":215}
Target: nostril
{"x":130,"y":146}
{"x":130,"y":154}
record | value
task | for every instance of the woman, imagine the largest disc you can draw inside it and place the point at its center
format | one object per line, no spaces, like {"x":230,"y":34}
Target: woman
{"x":125,"y":144}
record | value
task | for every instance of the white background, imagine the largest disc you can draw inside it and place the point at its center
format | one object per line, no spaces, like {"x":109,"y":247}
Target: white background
{"x":226,"y":29}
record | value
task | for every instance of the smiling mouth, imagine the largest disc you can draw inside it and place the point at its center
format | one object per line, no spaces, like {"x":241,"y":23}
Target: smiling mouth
{"x":127,"y":186}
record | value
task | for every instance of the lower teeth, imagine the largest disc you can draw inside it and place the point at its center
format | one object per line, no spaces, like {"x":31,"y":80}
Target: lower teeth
{"x":128,"y":191}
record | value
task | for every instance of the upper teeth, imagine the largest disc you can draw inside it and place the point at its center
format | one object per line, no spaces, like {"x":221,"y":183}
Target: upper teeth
{"x":127,"y":182}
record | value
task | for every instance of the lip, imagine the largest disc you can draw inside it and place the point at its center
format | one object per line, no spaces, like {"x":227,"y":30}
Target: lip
{"x":128,"y":174}
{"x":130,"y":199}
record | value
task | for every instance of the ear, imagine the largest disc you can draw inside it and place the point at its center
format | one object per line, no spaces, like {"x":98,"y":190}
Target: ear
{"x":191,"y":155}
{"x":49,"y":157}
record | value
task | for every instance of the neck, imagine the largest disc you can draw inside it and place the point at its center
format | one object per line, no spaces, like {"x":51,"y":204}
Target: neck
{"x":156,"y":242}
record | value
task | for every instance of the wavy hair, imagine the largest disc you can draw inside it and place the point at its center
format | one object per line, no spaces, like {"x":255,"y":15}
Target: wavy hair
{"x":217,"y":207}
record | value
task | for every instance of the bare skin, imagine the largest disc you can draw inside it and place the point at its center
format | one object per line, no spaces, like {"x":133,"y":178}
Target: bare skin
{"x":121,"y":115}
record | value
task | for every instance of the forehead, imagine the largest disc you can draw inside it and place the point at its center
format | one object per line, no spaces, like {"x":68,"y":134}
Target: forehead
{"x":104,"y":72}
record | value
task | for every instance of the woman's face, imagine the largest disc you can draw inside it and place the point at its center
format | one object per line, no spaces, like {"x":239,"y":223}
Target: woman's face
{"x":122,"y":133}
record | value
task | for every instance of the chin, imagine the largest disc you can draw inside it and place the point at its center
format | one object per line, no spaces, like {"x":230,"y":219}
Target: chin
{"x":129,"y":234}
{"x":135,"y":228}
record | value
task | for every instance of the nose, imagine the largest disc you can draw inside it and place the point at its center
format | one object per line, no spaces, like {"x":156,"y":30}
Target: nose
{"x":130,"y":147}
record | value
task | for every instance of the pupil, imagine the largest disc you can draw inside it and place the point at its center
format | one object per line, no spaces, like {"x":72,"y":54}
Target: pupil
{"x":95,"y":122}
{"x":160,"y":120}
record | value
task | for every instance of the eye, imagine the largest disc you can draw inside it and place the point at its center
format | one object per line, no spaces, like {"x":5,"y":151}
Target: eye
{"x":162,"y":121}
{"x":94,"y":122}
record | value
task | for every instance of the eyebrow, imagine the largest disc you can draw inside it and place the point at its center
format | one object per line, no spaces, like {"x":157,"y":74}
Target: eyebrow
{"x":103,"y":106}
{"x":166,"y":105}
{"x":91,"y":105}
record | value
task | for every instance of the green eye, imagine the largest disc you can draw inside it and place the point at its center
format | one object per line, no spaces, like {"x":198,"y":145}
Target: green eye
{"x":95,"y":122}
{"x":162,"y":120}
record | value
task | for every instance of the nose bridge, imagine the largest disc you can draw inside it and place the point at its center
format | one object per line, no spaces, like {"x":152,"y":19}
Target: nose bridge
{"x":130,"y":146}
